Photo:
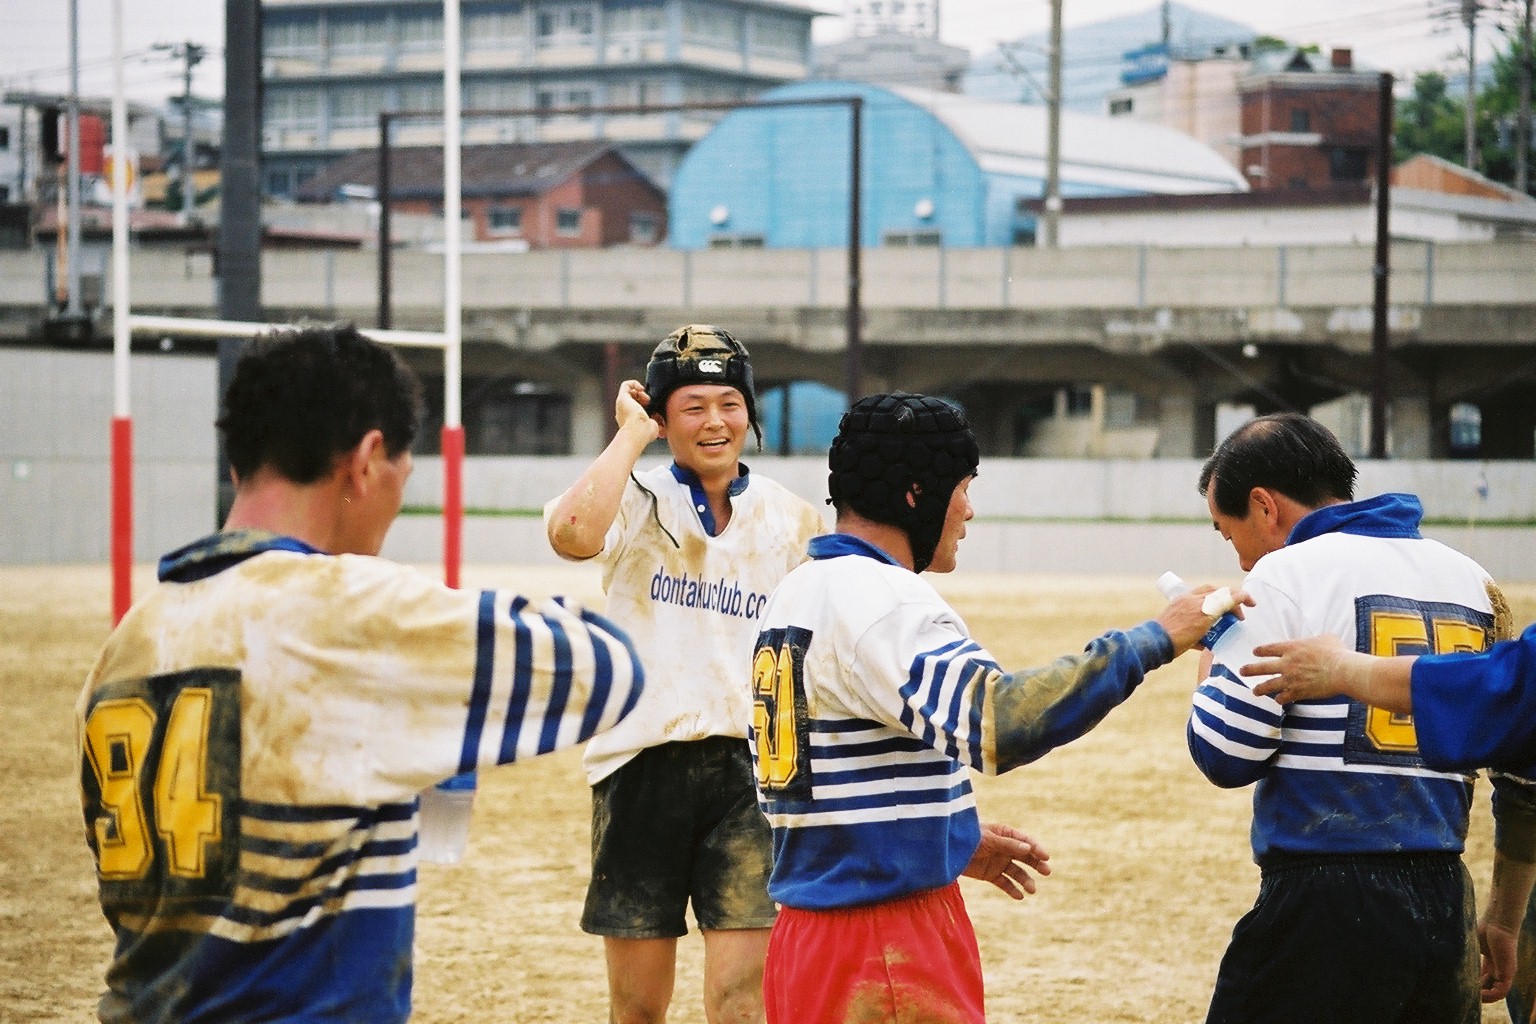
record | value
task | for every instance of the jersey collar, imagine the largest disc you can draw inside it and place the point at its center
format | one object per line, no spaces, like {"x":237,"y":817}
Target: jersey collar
{"x":700,"y":500}
{"x":212,"y":555}
{"x":1386,"y":515}
{"x":835,"y":545}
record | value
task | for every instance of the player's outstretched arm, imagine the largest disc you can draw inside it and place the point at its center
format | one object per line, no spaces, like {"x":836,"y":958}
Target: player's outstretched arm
{"x":1320,"y":667}
{"x":1005,"y":858}
{"x":577,"y":521}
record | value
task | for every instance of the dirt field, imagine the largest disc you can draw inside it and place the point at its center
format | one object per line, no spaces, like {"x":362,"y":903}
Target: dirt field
{"x":1151,"y":862}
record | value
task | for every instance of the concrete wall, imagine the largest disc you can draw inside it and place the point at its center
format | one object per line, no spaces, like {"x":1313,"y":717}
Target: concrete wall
{"x":1033,"y":515}
{"x":55,"y":441}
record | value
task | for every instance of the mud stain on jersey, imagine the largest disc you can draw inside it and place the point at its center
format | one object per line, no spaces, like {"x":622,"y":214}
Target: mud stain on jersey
{"x":1021,"y":710}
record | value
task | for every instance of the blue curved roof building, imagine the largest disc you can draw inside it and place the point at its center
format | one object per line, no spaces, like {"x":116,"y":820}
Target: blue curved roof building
{"x":938,"y":168}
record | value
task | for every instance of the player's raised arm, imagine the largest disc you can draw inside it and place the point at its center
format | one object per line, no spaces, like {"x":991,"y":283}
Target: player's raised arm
{"x":578,"y":520}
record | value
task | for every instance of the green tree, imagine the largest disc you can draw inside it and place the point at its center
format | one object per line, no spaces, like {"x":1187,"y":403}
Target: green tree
{"x":1431,"y":120}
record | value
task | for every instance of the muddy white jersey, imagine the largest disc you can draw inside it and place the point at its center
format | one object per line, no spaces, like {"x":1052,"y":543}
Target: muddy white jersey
{"x":252,"y":740}
{"x":689,"y":597}
{"x":1338,"y":776}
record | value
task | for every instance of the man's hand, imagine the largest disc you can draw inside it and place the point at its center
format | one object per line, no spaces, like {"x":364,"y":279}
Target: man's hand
{"x":1310,"y":669}
{"x":630,"y":410}
{"x":1186,"y":621}
{"x":1004,"y":859}
{"x":1497,"y":943}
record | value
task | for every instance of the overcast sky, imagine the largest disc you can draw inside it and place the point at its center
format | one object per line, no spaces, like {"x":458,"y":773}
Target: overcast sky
{"x":1403,"y":36}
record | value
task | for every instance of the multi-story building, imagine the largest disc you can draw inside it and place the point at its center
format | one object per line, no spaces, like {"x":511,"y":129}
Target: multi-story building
{"x":1308,"y":121}
{"x":1190,"y":92}
{"x":331,"y":66}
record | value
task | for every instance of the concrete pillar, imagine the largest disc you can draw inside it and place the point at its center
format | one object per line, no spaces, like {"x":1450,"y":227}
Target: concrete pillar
{"x":591,"y":412}
{"x":1409,"y":424}
{"x":1177,"y":430}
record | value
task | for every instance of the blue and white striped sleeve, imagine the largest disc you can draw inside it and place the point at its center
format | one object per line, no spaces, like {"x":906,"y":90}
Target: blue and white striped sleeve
{"x":1233,"y":735}
{"x":547,"y":676}
{"x":956,"y":699}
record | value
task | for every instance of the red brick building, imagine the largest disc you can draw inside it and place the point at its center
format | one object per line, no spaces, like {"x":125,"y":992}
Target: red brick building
{"x":545,"y":195}
{"x":1308,"y":121}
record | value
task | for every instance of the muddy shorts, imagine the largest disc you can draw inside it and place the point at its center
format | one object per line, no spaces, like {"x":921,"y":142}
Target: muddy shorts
{"x":911,"y":959}
{"x":1341,"y":939}
{"x":679,"y":823}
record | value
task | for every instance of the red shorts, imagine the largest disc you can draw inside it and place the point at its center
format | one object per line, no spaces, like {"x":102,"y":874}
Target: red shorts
{"x":907,"y":961}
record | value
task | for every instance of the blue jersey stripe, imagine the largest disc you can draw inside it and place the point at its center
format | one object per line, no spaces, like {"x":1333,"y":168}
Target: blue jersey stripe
{"x":560,"y":690}
{"x":602,"y":688}
{"x":480,"y":694}
{"x":522,"y":684}
{"x":868,"y":801}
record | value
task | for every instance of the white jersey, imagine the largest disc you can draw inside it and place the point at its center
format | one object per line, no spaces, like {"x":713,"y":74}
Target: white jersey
{"x":872,"y":701}
{"x":253,"y":737}
{"x":1336,"y":776}
{"x":690,"y":601}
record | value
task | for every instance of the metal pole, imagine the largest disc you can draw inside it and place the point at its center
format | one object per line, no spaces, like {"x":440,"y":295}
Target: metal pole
{"x":854,"y":315}
{"x":1053,"y":133}
{"x":73,"y":308}
{"x":453,"y":326}
{"x":1523,"y":124}
{"x":1381,"y":270}
{"x":1469,"y":10}
{"x":385,"y":314}
{"x":122,"y":421}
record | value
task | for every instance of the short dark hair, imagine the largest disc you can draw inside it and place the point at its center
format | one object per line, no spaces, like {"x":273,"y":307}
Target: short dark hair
{"x":1285,"y":452}
{"x":299,"y":398}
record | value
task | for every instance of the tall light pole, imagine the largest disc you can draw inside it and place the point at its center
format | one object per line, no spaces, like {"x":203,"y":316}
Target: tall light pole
{"x":1469,"y":9}
{"x":1053,"y":133}
{"x":1523,"y":121}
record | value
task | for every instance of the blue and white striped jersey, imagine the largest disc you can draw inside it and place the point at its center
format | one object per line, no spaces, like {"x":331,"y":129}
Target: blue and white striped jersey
{"x":1334,"y":776}
{"x":871,"y":702}
{"x":253,"y":737}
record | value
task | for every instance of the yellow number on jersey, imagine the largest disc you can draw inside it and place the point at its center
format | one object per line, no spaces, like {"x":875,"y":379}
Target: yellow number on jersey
{"x":773,"y":717}
{"x":119,"y":735}
{"x":1394,"y":633}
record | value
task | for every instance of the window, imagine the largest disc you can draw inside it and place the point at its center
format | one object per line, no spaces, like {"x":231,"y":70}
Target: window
{"x":903,"y":239}
{"x":736,"y":241}
{"x":279,"y":183}
{"x":505,"y":220}
{"x":567,"y":23}
{"x":492,"y":30}
{"x":712,"y":26}
{"x":567,"y":222}
{"x":494,"y":94}
{"x":421,"y":30}
{"x":281,"y":38}
{"x":1348,"y":164}
{"x":359,"y":34}
{"x":515,"y":418}
{"x":1301,"y":121}
{"x":635,"y":21}
{"x":642,"y":228}
{"x":356,"y":106}
{"x":5,"y":136}
{"x":421,"y":95}
{"x":291,"y":108}
{"x":1122,"y":105}
{"x":779,"y":37}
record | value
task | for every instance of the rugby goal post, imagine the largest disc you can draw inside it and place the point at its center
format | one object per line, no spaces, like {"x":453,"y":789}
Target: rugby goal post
{"x":125,"y":324}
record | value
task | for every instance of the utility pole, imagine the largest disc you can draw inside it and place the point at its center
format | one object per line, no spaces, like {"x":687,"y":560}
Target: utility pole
{"x":73,"y":307}
{"x":1381,"y":270}
{"x":191,"y":55}
{"x":1523,"y":121}
{"x":1469,"y":9}
{"x":1053,"y":133}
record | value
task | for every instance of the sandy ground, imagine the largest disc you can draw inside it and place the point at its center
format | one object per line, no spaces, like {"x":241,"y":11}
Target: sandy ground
{"x":1151,"y":862}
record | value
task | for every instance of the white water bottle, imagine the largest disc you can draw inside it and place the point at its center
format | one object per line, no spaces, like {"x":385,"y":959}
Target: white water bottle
{"x":1172,"y":586}
{"x":445,"y":814}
